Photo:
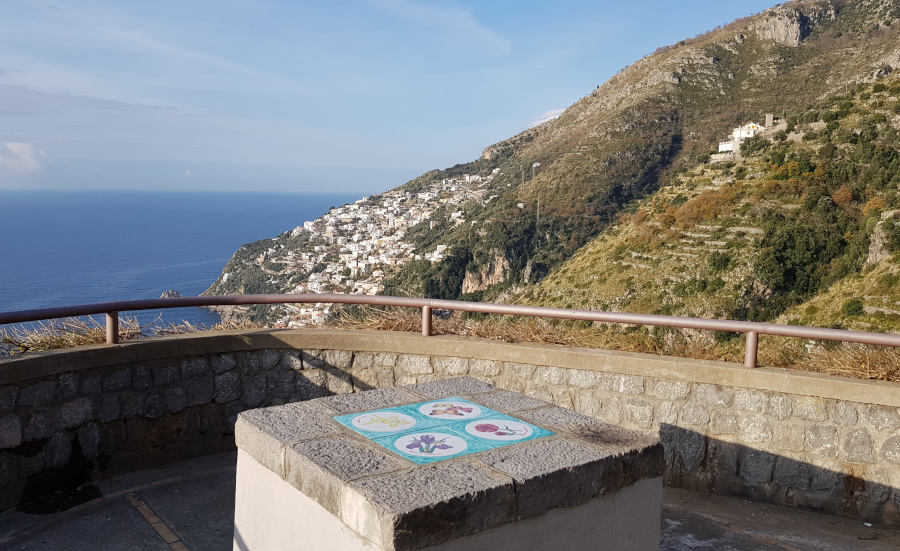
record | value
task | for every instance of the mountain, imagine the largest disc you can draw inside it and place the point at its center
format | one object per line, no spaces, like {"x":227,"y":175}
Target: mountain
{"x":633,"y":135}
{"x":542,"y":206}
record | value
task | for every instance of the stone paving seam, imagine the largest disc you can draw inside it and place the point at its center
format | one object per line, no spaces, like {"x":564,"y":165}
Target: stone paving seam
{"x":157,"y":523}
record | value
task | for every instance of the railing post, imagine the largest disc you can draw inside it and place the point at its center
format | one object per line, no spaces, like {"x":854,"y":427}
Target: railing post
{"x":751,"y":349}
{"x":426,"y":321}
{"x":112,"y":327}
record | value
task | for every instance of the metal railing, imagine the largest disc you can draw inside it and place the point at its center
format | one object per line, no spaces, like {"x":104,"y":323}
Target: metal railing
{"x":751,"y":329}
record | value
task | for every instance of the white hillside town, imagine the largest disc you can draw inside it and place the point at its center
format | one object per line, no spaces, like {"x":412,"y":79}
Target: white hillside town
{"x":355,"y":245}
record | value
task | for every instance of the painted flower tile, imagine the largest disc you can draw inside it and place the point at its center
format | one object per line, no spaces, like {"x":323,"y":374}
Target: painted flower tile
{"x":440,"y":429}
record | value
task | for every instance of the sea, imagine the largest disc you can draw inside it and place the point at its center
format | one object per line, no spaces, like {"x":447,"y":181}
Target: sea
{"x":66,"y":248}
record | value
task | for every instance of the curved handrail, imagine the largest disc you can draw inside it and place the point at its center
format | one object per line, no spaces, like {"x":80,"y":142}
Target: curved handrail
{"x":751,"y":329}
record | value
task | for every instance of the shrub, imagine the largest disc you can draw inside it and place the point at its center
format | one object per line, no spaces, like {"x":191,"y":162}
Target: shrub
{"x":853,"y":307}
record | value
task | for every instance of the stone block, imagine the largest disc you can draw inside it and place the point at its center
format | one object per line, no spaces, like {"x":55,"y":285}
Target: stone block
{"x":724,"y":422}
{"x":843,"y":413}
{"x":91,"y":385}
{"x":267,"y":358}
{"x":410,"y":364}
{"x":8,"y":395}
{"x":311,"y":383}
{"x":107,"y":408}
{"x":338,"y":382}
{"x":882,"y":417}
{"x":691,"y":446}
{"x":890,"y":450}
{"x":520,"y":371}
{"x":694,"y":414}
{"x":165,"y":375}
{"x":756,"y":466}
{"x":199,"y":389}
{"x":714,"y":395}
{"x":391,"y":509}
{"x":37,"y":395}
{"x":822,"y":440}
{"x":280,"y":383}
{"x":57,"y":451}
{"x":291,"y":360}
{"x":75,"y":412}
{"x":194,"y":366}
{"x":386,"y":359}
{"x":248,"y":364}
{"x":319,"y":468}
{"x":859,"y":446}
{"x":791,"y":473}
{"x":265,"y":432}
{"x":66,"y":386}
{"x":562,"y":396}
{"x":254,"y":391}
{"x":174,"y":398}
{"x":134,"y":404}
{"x":582,"y":378}
{"x":339,"y":359}
{"x":666,"y":413}
{"x":227,"y":387}
{"x":789,"y":436}
{"x":484,"y":368}
{"x":588,"y":402}
{"x":156,"y":404}
{"x":459,"y":386}
{"x":223,"y":362}
{"x":372,"y":378}
{"x":118,"y":380}
{"x":142,"y":378}
{"x":810,"y":408}
{"x":39,"y":424}
{"x":364,"y":360}
{"x":639,"y":412}
{"x":754,"y":428}
{"x":89,"y":440}
{"x":826,"y":478}
{"x":751,"y":400}
{"x":508,"y":402}
{"x":10,"y":431}
{"x":550,"y":472}
{"x":365,"y":401}
{"x":667,"y":389}
{"x":611,"y":409}
{"x":780,"y":406}
{"x":626,"y":384}
{"x":551,"y":375}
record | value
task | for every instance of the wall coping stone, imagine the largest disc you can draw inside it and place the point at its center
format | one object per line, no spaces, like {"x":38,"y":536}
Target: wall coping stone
{"x":44,"y":364}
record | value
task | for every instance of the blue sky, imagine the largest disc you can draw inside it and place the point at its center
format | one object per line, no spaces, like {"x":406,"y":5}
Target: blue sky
{"x":271,"y":95}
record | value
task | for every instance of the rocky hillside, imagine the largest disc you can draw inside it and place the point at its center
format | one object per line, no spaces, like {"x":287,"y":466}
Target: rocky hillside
{"x":802,"y":227}
{"x":635,"y":133}
{"x":546,"y":215}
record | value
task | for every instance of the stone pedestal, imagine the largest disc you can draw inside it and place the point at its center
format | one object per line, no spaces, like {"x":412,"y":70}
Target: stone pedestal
{"x":452,"y":464}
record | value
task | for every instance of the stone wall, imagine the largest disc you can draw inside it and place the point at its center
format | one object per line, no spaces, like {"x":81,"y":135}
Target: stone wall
{"x":785,"y":437}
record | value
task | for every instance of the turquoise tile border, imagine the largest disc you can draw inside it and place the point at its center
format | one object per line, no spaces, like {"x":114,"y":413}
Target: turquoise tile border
{"x":428,"y":446}
{"x":499,"y":430}
{"x":440,"y":429}
{"x":381,"y":422}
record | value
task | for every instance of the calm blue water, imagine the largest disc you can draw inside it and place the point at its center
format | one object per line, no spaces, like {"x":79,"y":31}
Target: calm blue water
{"x":68,"y":248}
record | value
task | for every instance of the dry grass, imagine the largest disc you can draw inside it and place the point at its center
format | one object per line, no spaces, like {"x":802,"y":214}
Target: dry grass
{"x":70,"y":332}
{"x":847,"y":359}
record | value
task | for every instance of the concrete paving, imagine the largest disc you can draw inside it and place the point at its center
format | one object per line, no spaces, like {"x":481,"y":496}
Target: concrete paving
{"x":190,"y":505}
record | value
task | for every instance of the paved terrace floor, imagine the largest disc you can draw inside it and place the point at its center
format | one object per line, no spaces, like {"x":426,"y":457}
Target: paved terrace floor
{"x":189,"y":505}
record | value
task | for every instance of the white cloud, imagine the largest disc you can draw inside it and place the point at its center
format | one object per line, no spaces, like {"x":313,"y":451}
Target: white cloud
{"x":456,"y":22}
{"x":18,"y":158}
{"x":548,"y":116}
